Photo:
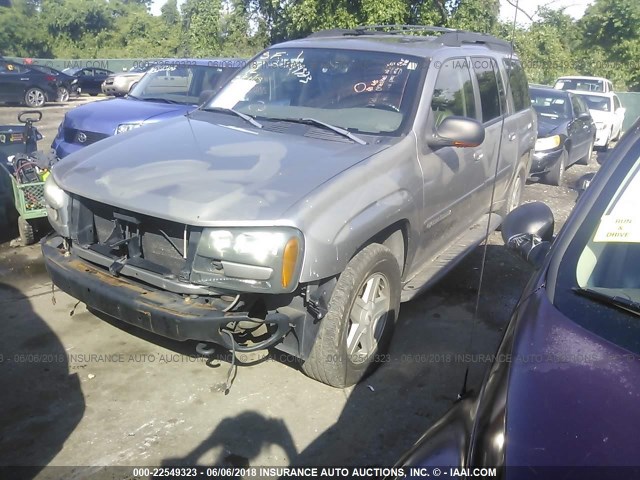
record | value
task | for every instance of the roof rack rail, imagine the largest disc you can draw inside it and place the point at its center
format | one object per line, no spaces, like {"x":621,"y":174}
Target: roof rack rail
{"x":449,"y":36}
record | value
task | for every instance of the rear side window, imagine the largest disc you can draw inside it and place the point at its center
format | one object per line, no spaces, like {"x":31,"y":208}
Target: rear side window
{"x":10,"y":67}
{"x":491,"y":96}
{"x":616,"y":103}
{"x":453,"y":92}
{"x":518,"y":84}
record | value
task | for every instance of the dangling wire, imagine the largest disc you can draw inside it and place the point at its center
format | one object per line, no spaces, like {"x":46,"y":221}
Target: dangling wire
{"x":474,"y":319}
{"x":233,"y":367}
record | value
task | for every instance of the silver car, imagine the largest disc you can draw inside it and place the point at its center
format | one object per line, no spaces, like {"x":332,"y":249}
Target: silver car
{"x":331,"y":179}
{"x":119,"y":84}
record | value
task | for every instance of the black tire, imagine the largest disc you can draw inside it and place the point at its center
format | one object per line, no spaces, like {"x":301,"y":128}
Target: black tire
{"x":63,"y":94}
{"x":94,"y":94}
{"x":34,"y":98}
{"x":27,"y":233}
{"x":586,"y":160}
{"x":556,"y":175}
{"x":375,"y":269}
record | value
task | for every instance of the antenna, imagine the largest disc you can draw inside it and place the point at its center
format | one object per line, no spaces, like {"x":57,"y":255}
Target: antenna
{"x":474,"y":320}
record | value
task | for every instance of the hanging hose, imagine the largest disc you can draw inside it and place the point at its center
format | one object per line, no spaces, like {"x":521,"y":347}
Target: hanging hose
{"x":233,"y":363}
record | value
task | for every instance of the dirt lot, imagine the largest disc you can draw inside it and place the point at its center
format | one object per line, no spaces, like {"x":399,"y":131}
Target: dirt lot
{"x":83,"y":390}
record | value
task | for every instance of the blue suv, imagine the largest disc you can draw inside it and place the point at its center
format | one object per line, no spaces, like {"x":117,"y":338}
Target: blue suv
{"x":169,"y":89}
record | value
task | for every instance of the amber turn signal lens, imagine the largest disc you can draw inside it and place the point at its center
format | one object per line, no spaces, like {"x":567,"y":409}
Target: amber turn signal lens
{"x":289,"y":260}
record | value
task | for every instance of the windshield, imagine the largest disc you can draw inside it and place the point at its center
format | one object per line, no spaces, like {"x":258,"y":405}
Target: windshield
{"x":596,"y":102}
{"x":588,"y":85}
{"x":550,"y":104}
{"x":598,"y":278}
{"x":188,"y":84}
{"x":368,"y":92}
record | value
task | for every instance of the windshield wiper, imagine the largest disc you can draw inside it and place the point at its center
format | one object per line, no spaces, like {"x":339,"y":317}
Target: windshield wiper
{"x":614,"y":300}
{"x":157,"y":99}
{"x":328,"y":126}
{"x":244,"y":116}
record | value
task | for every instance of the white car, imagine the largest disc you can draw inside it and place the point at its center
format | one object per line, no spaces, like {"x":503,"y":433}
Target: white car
{"x":608,"y":114}
{"x":586,"y":84}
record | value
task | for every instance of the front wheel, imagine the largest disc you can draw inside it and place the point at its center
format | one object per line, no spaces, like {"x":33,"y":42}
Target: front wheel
{"x":359,"y":323}
{"x":34,"y":98}
{"x":556,"y":174}
{"x":63,"y":94}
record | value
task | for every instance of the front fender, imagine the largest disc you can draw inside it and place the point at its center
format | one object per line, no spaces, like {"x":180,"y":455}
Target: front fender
{"x":346,"y":212}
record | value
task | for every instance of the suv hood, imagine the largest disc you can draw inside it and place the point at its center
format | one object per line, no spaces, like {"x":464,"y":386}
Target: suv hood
{"x":192,"y":170}
{"x":105,"y":116}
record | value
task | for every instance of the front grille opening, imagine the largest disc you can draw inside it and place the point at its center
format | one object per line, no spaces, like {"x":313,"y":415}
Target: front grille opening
{"x":162,"y":241}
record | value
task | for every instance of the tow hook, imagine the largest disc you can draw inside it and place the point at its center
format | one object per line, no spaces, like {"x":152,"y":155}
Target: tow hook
{"x":205,"y":349}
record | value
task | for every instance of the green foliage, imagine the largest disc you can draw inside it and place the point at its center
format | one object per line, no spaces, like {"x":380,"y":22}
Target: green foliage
{"x":22,"y":32}
{"x":605,"y":42}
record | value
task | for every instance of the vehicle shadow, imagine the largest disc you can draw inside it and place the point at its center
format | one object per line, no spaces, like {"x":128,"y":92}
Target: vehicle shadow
{"x":436,"y":340}
{"x":241,"y":439}
{"x":42,"y":401}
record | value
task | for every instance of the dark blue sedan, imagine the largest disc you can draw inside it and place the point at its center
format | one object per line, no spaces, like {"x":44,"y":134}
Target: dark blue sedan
{"x":566,"y":133}
{"x":563,"y":391}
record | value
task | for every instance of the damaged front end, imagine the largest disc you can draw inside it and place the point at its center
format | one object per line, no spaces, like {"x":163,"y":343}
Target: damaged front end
{"x":234,"y":287}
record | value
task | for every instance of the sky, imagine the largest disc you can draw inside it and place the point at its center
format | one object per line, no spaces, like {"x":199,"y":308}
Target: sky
{"x":575,"y":8}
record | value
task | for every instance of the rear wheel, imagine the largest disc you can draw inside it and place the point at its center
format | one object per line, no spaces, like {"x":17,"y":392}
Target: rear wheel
{"x":27,"y":233}
{"x":34,"y":98}
{"x":359,"y":323}
{"x":556,"y":175}
{"x":586,"y":160}
{"x":514,"y":195}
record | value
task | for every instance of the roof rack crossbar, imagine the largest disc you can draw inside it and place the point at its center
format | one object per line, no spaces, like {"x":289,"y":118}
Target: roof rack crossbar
{"x":448,"y":36}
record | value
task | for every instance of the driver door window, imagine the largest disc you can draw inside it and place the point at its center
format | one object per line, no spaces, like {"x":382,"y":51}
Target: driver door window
{"x":453,"y":92}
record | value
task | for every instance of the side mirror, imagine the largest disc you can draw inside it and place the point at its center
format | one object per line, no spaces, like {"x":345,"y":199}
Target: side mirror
{"x":457,"y":131}
{"x":528,"y":230}
{"x":584,"y":116}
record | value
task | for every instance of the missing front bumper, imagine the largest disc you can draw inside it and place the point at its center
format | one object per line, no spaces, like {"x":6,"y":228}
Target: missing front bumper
{"x":168,"y":314}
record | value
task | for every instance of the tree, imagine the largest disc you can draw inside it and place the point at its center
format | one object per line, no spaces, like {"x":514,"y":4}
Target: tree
{"x":170,"y":13}
{"x":21,"y":32}
{"x":201,"y":20}
{"x":475,"y":15}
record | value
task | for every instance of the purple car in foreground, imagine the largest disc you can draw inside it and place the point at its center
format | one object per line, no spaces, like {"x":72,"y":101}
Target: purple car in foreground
{"x":564,"y":389}
{"x":169,"y":89}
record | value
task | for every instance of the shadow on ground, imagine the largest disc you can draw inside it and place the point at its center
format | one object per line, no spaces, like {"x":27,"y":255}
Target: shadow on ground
{"x":42,"y":402}
{"x":416,"y":383}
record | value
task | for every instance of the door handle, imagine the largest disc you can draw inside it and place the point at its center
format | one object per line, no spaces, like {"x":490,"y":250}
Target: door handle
{"x":477,"y":156}
{"x":512,"y":137}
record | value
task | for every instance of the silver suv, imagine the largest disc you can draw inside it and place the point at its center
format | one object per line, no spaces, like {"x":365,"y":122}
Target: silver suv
{"x":331,"y":179}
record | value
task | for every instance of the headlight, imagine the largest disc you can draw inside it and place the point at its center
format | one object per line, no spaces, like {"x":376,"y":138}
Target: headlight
{"x":263,"y":259}
{"x":125,"y":127}
{"x":53,"y":194}
{"x":547,"y":143}
{"x":58,"y":204}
